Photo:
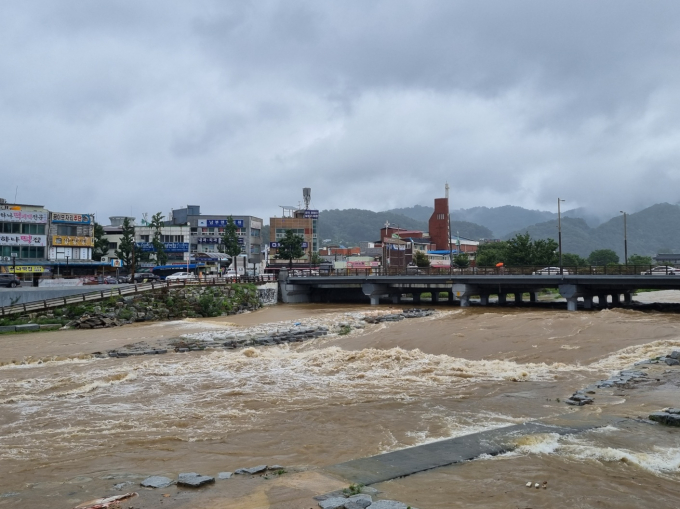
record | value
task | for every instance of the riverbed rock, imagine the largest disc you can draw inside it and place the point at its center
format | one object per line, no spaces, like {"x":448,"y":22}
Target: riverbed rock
{"x":224,"y":475}
{"x":157,"y":481}
{"x":335,"y":503}
{"x":388,"y":504}
{"x":251,"y":470}
{"x":668,"y":360}
{"x":361,"y":501}
{"x":194,"y":480}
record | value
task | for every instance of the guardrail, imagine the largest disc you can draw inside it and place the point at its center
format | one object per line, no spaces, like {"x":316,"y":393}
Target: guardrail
{"x":129,"y":289}
{"x":590,"y":270}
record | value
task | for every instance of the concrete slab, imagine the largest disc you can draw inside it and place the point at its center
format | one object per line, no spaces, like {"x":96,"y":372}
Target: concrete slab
{"x":27,"y":327}
{"x":7,"y":328}
{"x":409,"y":461}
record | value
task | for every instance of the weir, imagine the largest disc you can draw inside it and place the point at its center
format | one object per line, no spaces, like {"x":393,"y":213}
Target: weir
{"x":404,"y":462}
{"x":584,"y":291}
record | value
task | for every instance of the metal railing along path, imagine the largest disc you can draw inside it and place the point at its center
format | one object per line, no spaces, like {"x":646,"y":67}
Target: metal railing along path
{"x":132,"y":289}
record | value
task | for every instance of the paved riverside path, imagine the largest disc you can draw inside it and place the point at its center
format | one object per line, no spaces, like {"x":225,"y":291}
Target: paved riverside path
{"x":392,"y":465}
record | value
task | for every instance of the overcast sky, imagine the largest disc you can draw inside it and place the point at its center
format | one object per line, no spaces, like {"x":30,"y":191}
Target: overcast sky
{"x":124,"y":107}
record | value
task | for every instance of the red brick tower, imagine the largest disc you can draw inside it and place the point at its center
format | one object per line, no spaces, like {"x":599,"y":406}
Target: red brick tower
{"x":439,"y":222}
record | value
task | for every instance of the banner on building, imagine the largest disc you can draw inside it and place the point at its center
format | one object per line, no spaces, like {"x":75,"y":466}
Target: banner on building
{"x":22,"y":240}
{"x":66,"y":240}
{"x":117,"y":263}
{"x":64,"y":217}
{"x":26,"y":269}
{"x":19,"y":216}
{"x":311,"y":214}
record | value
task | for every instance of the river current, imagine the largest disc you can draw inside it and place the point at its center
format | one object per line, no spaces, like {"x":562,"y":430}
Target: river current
{"x":72,"y":426}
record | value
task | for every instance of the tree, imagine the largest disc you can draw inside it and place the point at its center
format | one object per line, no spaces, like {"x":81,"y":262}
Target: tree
{"x":544,"y":252}
{"x":519,"y":251}
{"x":230,"y":243}
{"x":461,"y":260}
{"x":573,"y":260}
{"x":637,"y":259}
{"x":316,"y":259}
{"x":290,"y":247}
{"x":101,"y":243}
{"x":488,"y":255}
{"x":127,"y":242}
{"x":603,"y":257}
{"x":421,"y":259}
{"x":159,"y":247}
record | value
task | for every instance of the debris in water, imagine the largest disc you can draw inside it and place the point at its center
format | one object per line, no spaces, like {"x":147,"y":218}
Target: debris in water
{"x":103,"y":503}
{"x":537,"y":485}
{"x":529,"y":484}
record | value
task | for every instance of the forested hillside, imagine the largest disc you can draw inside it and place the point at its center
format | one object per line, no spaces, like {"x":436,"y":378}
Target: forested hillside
{"x":351,"y":226}
{"x":653,"y":230}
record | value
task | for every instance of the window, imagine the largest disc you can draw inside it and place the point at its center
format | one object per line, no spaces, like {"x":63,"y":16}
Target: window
{"x":144,"y":238}
{"x":30,"y":251}
{"x":254,"y":248}
{"x":254,"y":232}
{"x":33,"y":229}
{"x":67,"y":230}
{"x":281,"y":232}
{"x":10,"y":228}
{"x":113,"y":245}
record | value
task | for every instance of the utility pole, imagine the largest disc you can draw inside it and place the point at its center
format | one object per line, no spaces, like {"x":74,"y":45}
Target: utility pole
{"x":625,"y":237}
{"x":559,"y":232}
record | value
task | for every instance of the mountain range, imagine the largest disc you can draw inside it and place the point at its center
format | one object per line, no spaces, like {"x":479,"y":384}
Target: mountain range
{"x":650,"y":231}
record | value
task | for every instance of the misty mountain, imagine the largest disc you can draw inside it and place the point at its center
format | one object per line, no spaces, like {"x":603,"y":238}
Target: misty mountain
{"x":351,"y":226}
{"x":650,"y":231}
{"x":500,"y":220}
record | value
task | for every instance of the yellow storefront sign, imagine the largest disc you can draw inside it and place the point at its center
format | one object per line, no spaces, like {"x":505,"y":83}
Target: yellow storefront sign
{"x":64,"y":240}
{"x":25,"y":269}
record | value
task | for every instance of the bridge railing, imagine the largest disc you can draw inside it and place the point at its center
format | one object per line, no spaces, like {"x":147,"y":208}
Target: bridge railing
{"x":525,"y":270}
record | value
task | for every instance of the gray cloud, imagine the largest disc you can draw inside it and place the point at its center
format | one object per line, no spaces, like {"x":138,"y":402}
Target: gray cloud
{"x":128,"y":107}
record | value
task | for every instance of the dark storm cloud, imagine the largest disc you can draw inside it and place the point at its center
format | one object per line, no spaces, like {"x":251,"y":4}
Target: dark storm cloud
{"x":373,"y":104}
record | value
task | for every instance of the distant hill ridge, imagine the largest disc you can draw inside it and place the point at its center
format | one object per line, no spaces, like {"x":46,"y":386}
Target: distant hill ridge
{"x":650,"y":231}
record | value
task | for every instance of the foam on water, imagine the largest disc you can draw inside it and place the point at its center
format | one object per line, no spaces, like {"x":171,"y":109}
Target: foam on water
{"x":632,"y":354}
{"x":662,"y":461}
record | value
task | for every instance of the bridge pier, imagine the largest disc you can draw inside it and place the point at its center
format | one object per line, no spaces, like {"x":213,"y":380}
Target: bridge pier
{"x":435,"y":296}
{"x":484,"y":299}
{"x":502,"y":298}
{"x":572,"y":293}
{"x":375,"y":291}
{"x":602,"y":300}
{"x":627,"y":298}
{"x":587,"y":302}
{"x":533,"y":296}
{"x":518,"y":298}
{"x":295,"y":294}
{"x":464,"y":292}
{"x":396,"y":298}
{"x":416,"y":297}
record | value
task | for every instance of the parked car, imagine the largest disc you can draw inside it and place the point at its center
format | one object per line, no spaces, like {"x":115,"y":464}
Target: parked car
{"x":550,"y":271}
{"x":182,"y":276}
{"x":141,"y":277}
{"x":110,"y":280}
{"x":662,"y":270}
{"x":9,"y":280}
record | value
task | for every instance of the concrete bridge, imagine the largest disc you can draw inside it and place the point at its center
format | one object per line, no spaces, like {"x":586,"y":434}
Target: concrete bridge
{"x":373,"y":289}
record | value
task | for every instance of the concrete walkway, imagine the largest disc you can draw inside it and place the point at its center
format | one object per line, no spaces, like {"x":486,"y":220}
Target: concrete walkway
{"x":392,"y":465}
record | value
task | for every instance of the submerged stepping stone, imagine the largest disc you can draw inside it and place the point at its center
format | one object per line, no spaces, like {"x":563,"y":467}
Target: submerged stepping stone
{"x":252,"y":470}
{"x":157,"y":481}
{"x":194,"y":480}
{"x":224,"y":475}
{"x":388,"y":504}
{"x":333,"y":503}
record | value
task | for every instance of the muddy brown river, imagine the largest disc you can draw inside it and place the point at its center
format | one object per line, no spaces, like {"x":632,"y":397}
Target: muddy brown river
{"x":72,"y":426}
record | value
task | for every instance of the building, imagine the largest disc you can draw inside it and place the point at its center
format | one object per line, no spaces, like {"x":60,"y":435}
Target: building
{"x":302,"y":222}
{"x":23,"y":239}
{"x":206,"y":231}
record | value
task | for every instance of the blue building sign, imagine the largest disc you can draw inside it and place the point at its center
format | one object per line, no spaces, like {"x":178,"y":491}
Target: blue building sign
{"x":169,"y":247}
{"x":311,"y":214}
{"x":221,"y":223}
{"x":276,"y":245}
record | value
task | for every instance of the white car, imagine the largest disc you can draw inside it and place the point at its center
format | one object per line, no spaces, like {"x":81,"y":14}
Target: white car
{"x":663,"y":270}
{"x":550,"y":271}
{"x":181,"y":276}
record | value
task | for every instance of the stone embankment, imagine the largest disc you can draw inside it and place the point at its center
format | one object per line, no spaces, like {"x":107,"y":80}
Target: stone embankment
{"x":163,"y":304}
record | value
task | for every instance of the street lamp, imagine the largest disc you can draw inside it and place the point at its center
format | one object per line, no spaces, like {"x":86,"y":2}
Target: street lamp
{"x":625,"y":237}
{"x":559,"y":232}
{"x":67,"y":269}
